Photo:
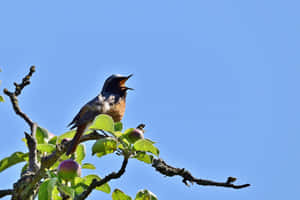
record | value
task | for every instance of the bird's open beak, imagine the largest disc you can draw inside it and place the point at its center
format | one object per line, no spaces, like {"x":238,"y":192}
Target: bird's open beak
{"x":123,"y":81}
{"x":129,"y":76}
{"x":128,"y":88}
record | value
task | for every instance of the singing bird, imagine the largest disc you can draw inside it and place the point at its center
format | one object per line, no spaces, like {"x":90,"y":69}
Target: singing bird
{"x":111,"y":101}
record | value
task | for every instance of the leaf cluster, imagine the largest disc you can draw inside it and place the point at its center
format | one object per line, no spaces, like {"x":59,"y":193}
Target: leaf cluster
{"x":116,"y":141}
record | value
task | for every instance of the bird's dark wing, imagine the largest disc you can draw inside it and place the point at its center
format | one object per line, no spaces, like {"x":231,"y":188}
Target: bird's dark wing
{"x":87,"y":113}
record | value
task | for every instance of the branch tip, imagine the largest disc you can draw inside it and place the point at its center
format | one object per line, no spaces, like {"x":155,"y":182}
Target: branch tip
{"x":162,"y":167}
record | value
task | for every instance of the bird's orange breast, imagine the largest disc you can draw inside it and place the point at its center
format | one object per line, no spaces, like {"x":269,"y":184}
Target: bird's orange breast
{"x":117,"y":110}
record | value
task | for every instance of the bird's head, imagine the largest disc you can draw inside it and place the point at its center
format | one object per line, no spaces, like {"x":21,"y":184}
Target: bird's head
{"x":116,"y":84}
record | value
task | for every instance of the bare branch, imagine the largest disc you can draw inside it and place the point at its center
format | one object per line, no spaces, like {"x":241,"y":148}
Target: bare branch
{"x":22,"y":183}
{"x":4,"y":193}
{"x":17,"y":92}
{"x":106,"y":179}
{"x":31,"y":142}
{"x":165,"y":169}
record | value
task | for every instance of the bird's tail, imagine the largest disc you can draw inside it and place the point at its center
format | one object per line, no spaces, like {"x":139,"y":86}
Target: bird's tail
{"x":75,"y":141}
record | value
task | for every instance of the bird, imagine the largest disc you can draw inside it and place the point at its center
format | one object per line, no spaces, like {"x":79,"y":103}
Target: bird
{"x":110,"y":101}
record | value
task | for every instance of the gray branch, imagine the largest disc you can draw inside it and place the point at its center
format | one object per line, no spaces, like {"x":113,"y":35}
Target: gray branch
{"x":13,"y":96}
{"x":31,"y":142}
{"x":162,"y":167}
{"x":4,"y":193}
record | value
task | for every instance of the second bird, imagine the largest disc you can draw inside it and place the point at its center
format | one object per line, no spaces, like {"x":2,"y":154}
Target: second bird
{"x":111,"y":101}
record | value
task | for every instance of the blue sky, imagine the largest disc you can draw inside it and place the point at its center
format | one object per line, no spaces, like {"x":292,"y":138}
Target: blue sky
{"x":216,"y":83}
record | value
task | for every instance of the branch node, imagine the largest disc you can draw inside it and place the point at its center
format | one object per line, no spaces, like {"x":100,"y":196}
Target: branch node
{"x":6,"y":91}
{"x":230,"y":180}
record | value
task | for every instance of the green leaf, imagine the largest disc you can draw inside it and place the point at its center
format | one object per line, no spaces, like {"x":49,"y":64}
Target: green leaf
{"x":124,"y":136}
{"x":41,"y":135}
{"x":145,"y":145}
{"x":127,"y":131}
{"x":67,"y":190}
{"x":119,"y":195}
{"x":15,"y":158}
{"x":87,"y":132}
{"x":69,"y":134}
{"x":118,"y":126}
{"x":118,"y":133}
{"x":88,"y":166}
{"x":80,"y":153}
{"x":145,"y":195}
{"x":1,"y":99}
{"x":79,"y":185}
{"x":53,"y":140}
{"x":55,"y":194}
{"x":46,"y":147}
{"x":143,"y":156}
{"x":89,"y":179}
{"x":150,"y":141}
{"x":46,"y":188}
{"x":103,"y":122}
{"x":104,"y":146}
{"x":82,"y":183}
{"x":51,"y":174}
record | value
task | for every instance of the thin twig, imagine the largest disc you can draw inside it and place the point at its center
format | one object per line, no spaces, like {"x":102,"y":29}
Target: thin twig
{"x":162,"y":167}
{"x":13,"y":96}
{"x":106,"y":179}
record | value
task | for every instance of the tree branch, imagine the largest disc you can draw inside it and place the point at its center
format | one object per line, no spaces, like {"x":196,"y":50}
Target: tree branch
{"x":31,"y":142}
{"x":4,"y":193}
{"x":162,"y":167}
{"x":22,"y":183}
{"x":17,"y":92}
{"x":28,"y":183}
{"x":106,"y":179}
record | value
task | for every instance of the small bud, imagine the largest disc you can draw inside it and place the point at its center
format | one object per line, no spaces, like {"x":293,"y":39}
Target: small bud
{"x":32,"y":68}
{"x":5,"y":91}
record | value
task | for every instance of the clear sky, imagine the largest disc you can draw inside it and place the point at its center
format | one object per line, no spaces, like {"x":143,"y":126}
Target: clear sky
{"x":216,"y":83}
